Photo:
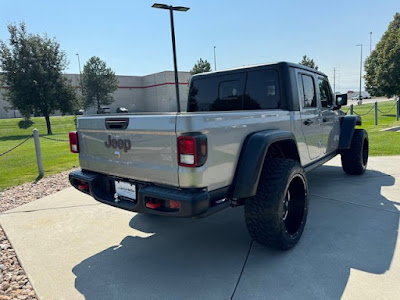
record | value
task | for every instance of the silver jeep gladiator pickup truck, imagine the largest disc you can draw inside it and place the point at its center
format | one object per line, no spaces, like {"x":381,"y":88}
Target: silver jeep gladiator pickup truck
{"x":248,"y":138}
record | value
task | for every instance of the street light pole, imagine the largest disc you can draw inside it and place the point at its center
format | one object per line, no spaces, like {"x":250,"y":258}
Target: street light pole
{"x":171,"y":15}
{"x":334,"y":80}
{"x":359,"y":95}
{"x":370,"y":42}
{"x":215,"y":60}
{"x":178,"y":102}
{"x":80,"y":73}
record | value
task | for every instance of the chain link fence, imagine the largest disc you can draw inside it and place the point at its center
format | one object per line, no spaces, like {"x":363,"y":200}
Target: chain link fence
{"x":395,"y":107}
{"x":26,"y":139}
{"x":15,"y":147}
{"x":52,"y":139}
{"x":364,"y":114}
{"x":347,"y":111}
{"x":36,"y":137}
{"x":386,"y":112}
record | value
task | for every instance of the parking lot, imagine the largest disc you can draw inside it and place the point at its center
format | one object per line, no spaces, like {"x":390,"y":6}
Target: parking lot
{"x":73,"y":247}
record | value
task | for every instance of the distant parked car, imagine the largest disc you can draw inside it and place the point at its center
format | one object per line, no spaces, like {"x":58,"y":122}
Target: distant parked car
{"x":80,"y":112}
{"x":122,"y":110}
{"x":356,"y":97}
{"x":104,"y":110}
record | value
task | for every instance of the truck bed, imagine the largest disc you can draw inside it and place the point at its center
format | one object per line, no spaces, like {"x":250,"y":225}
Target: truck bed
{"x":152,"y":156}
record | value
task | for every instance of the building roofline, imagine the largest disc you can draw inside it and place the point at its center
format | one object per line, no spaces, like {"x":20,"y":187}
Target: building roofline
{"x":77,"y":74}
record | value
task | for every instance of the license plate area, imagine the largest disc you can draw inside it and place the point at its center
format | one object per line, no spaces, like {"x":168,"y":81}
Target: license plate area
{"x":125,"y":190}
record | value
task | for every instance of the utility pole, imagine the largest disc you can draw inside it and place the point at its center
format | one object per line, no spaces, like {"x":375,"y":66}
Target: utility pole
{"x":370,"y":42}
{"x":80,"y":73}
{"x":215,"y":61}
{"x":334,"y":80}
{"x":359,"y":95}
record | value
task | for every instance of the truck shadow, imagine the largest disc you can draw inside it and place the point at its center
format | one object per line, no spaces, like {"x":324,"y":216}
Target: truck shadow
{"x":182,"y":259}
{"x":351,"y":227}
{"x":203,"y":258}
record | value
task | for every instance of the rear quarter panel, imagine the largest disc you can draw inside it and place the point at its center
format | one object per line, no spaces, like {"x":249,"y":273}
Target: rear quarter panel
{"x":226,"y":133}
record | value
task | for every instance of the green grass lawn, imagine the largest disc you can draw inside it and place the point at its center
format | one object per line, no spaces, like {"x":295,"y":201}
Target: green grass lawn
{"x":380,"y":142}
{"x":20,"y":166}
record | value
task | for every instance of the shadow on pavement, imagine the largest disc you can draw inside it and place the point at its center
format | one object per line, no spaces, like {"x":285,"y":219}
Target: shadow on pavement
{"x":202,"y":259}
{"x":339,"y":236}
{"x":183,"y":259}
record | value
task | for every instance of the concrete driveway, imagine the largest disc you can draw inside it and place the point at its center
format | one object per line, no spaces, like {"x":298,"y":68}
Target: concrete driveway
{"x":73,"y":247}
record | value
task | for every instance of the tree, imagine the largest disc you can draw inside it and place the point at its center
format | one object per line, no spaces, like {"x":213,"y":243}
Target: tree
{"x":99,"y":83}
{"x":382,"y":67}
{"x":200,"y":67}
{"x":308,"y":62}
{"x":32,"y":66}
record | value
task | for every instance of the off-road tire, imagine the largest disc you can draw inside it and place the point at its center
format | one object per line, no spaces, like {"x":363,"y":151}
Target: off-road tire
{"x":265,"y":212}
{"x":355,"y":159}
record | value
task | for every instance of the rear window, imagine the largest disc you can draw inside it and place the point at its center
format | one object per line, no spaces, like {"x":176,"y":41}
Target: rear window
{"x":217,"y":93}
{"x":262,"y":91}
{"x":232,"y":92}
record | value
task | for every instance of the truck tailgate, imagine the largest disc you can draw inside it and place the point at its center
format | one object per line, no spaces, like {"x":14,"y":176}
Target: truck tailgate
{"x":137,"y":146}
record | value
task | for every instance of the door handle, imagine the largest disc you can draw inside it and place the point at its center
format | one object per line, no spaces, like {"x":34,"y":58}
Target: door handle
{"x":308,"y":122}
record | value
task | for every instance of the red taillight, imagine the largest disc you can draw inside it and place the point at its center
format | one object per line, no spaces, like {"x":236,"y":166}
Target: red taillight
{"x":73,"y":142}
{"x":187,"y":145}
{"x":153,"y":205}
{"x":174,"y":204}
{"x":192,"y":150}
{"x":83,"y":186}
{"x":187,"y":151}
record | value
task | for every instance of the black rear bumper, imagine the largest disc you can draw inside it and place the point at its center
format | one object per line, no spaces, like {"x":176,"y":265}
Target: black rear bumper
{"x":192,"y":202}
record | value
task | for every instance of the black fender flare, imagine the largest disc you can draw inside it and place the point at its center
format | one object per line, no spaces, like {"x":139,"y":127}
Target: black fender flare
{"x":252,"y":157}
{"x":347,"y":127}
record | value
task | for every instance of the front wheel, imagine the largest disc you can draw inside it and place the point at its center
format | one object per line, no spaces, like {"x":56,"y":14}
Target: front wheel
{"x":355,"y":159}
{"x":277,"y":214}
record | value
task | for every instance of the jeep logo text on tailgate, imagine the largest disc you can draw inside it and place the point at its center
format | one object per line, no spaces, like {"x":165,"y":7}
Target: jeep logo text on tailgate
{"x":120,"y":143}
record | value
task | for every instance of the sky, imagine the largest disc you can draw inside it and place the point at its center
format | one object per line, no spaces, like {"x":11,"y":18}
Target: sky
{"x":135,"y":39}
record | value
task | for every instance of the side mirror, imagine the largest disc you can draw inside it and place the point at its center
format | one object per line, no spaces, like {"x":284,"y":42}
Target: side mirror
{"x":341,"y":100}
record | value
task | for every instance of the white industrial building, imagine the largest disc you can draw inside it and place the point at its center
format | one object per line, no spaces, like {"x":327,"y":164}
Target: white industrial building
{"x":150,"y":93}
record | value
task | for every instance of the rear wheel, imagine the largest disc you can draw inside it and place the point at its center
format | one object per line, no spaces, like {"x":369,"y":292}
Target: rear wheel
{"x":355,"y":159}
{"x":277,"y":214}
